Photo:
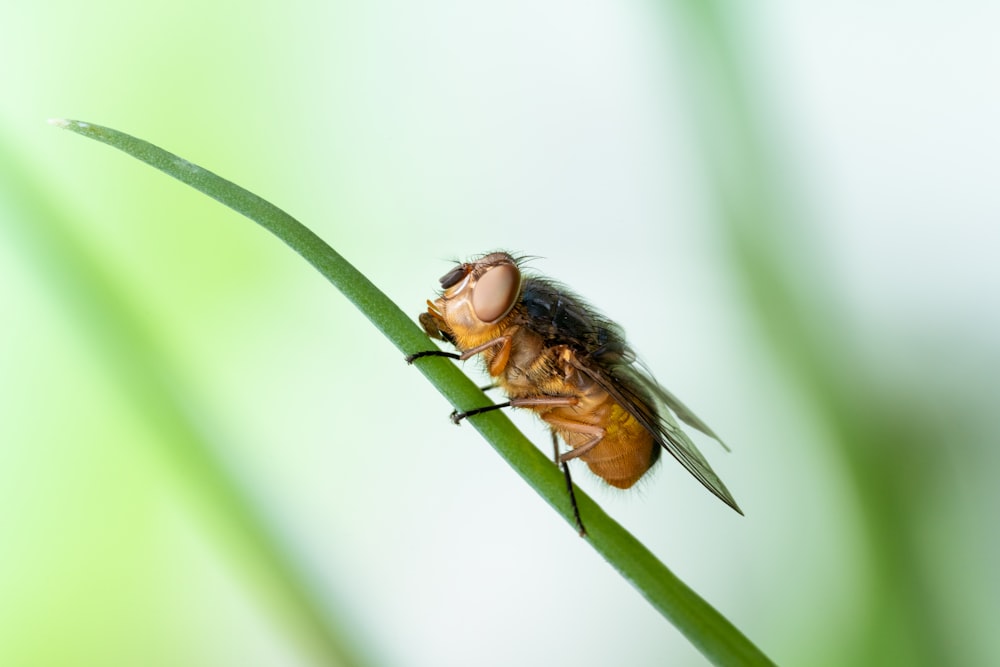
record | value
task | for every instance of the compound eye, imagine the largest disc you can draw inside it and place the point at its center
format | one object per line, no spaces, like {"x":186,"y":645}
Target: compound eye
{"x":452,"y":277}
{"x":496,"y":292}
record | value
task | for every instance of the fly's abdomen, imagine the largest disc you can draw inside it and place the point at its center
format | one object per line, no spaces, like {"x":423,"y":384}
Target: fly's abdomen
{"x":626,"y":452}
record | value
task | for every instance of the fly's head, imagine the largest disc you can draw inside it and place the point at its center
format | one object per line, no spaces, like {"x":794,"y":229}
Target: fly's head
{"x":477,"y":296}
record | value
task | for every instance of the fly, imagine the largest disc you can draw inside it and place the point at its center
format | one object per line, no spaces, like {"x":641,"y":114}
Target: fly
{"x":552,"y":353}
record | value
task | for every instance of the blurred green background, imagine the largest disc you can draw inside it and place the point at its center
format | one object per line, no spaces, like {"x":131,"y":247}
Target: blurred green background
{"x":791,"y":208}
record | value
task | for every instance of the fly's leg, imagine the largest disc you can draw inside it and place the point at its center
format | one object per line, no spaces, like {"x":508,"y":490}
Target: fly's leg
{"x":457,"y":416}
{"x":560,"y":460}
{"x":569,"y":484}
{"x":523,"y":402}
{"x":503,"y":341}
{"x":596,"y":434}
{"x":410,"y":358}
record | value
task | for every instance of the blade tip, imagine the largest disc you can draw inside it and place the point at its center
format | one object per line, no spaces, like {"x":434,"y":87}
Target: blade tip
{"x":68,"y":124}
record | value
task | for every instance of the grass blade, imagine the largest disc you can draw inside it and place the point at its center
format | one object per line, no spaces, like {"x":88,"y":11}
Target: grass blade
{"x":703,"y":625}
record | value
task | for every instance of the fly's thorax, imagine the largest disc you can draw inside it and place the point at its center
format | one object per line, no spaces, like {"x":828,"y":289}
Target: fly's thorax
{"x":535,"y":367}
{"x":529,"y":367}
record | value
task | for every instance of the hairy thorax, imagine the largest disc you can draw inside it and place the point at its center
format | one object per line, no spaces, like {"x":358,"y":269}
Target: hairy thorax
{"x":626,"y":450}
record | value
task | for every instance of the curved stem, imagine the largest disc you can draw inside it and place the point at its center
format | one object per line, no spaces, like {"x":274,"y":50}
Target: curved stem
{"x":702,"y":624}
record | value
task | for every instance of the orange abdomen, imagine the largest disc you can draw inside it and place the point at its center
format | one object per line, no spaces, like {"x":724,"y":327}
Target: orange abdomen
{"x":625,"y":453}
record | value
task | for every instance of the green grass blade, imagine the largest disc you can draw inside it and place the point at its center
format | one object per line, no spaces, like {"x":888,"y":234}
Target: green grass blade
{"x":704,"y":626}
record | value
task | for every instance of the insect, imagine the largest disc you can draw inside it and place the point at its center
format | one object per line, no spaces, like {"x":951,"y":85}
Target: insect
{"x":552,"y":353}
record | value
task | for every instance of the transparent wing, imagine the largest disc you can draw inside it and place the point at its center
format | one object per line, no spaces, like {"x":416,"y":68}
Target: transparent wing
{"x":675,"y":404}
{"x":598,"y":344}
{"x":654,"y":407}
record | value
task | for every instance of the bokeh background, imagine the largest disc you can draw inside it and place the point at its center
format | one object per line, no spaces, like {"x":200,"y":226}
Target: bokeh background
{"x":791,"y":208}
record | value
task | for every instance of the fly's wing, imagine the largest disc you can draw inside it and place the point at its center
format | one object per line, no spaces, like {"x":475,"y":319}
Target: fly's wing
{"x":651,"y":405}
{"x":562,"y":318}
{"x":675,"y":404}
